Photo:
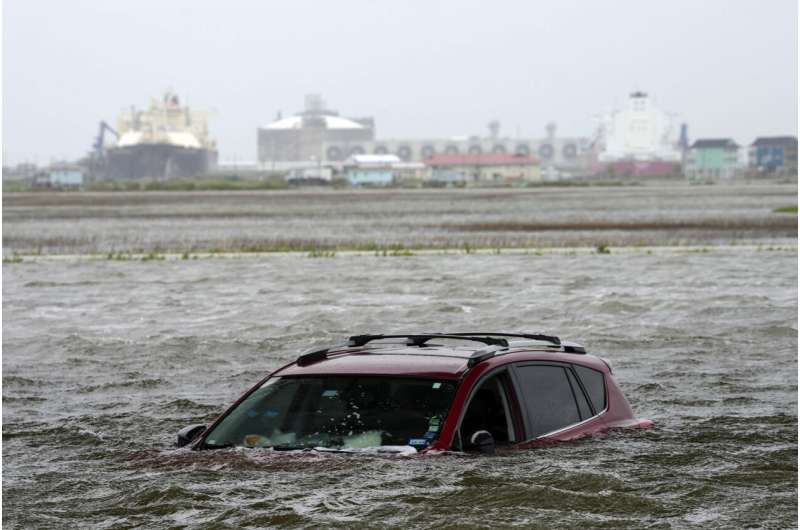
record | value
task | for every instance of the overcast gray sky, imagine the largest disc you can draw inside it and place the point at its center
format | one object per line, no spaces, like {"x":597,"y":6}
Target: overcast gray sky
{"x":421,"y":68}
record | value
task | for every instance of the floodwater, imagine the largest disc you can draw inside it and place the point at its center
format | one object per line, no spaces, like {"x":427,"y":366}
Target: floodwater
{"x":105,"y":360}
{"x":305,"y":220}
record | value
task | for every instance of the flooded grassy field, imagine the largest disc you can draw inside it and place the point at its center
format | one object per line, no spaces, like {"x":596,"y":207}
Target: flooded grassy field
{"x":306,"y":220}
{"x":104,"y":360}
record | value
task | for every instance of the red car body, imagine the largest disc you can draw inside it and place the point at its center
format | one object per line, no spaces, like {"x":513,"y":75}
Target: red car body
{"x":471,"y":367}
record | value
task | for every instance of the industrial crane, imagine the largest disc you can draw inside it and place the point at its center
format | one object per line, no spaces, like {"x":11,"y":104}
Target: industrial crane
{"x":99,"y":142}
{"x":97,"y":157}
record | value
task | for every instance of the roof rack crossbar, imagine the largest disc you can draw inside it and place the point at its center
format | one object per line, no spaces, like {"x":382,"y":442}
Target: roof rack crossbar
{"x":421,"y":339}
{"x":495,"y":342}
{"x":532,"y":336}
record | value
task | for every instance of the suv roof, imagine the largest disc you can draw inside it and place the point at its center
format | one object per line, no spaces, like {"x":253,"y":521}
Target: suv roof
{"x":418,"y":354}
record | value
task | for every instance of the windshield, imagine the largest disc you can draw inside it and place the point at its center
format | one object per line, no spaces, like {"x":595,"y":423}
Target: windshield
{"x":342,"y":412}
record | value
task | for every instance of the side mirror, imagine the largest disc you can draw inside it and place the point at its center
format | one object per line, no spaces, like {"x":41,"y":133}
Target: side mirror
{"x":188,"y":434}
{"x":483,"y":441}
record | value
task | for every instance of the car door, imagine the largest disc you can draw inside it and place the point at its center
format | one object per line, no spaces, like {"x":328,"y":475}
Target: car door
{"x":494,"y":407}
{"x":550,"y":396}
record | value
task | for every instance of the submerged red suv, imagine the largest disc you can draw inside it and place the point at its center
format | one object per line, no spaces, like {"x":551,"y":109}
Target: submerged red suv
{"x":425,"y":392}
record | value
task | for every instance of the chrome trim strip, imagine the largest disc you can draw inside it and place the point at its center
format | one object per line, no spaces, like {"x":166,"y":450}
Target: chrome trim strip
{"x":568,"y":427}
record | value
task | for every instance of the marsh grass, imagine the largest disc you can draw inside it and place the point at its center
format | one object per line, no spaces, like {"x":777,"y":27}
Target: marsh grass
{"x":132,"y":256}
{"x":190,"y":184}
{"x":628,"y":226}
{"x":119,"y":256}
{"x":387,"y":222}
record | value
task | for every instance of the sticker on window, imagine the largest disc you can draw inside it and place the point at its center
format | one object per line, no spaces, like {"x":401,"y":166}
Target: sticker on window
{"x":437,"y":386}
{"x":433,"y":424}
{"x":330,"y":393}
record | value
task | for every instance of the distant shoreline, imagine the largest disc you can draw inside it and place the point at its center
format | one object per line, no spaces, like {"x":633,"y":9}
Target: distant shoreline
{"x":280,"y":185}
{"x":396,"y":222}
{"x":778,"y":246}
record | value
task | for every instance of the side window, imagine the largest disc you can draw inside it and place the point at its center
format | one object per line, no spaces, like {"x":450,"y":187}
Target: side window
{"x":580,"y":397}
{"x":595,"y":386}
{"x":489,"y":410}
{"x":548,"y":398}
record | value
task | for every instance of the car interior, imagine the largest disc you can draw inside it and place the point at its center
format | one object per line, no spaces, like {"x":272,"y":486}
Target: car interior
{"x":488,"y":410}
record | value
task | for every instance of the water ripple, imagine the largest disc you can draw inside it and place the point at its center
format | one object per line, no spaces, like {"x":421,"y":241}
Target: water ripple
{"x":100,"y":371}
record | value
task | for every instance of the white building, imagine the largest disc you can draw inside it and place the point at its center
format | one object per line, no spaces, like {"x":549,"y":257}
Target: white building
{"x":306,"y":136}
{"x":640,"y":132}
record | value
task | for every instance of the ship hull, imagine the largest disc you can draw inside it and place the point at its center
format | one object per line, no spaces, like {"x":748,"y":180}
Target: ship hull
{"x":157,"y":161}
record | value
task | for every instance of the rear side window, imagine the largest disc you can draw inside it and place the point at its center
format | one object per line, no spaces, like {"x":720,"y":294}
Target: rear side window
{"x":583,"y":405}
{"x":595,"y":386}
{"x":548,"y":398}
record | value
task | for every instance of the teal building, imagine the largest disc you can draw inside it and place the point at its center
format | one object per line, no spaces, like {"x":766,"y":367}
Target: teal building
{"x":370,"y":170}
{"x":65,"y":177}
{"x":712,"y":160}
{"x":369,"y":176}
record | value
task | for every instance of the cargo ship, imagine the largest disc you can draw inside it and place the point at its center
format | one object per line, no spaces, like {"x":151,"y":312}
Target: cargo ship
{"x":165,"y":141}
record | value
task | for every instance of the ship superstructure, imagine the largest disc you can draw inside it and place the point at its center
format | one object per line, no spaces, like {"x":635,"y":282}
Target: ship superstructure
{"x":165,"y":141}
{"x":640,"y":132}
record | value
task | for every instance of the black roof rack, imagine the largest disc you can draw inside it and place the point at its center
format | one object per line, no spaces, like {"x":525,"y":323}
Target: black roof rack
{"x":483,"y":354}
{"x":422,"y":338}
{"x":531,"y":336}
{"x":312,"y":357}
{"x":494,"y":342}
{"x":419,"y":339}
{"x":572,"y":347}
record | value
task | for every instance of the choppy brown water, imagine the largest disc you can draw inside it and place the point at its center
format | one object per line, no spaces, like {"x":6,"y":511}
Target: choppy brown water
{"x":104,"y":361}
